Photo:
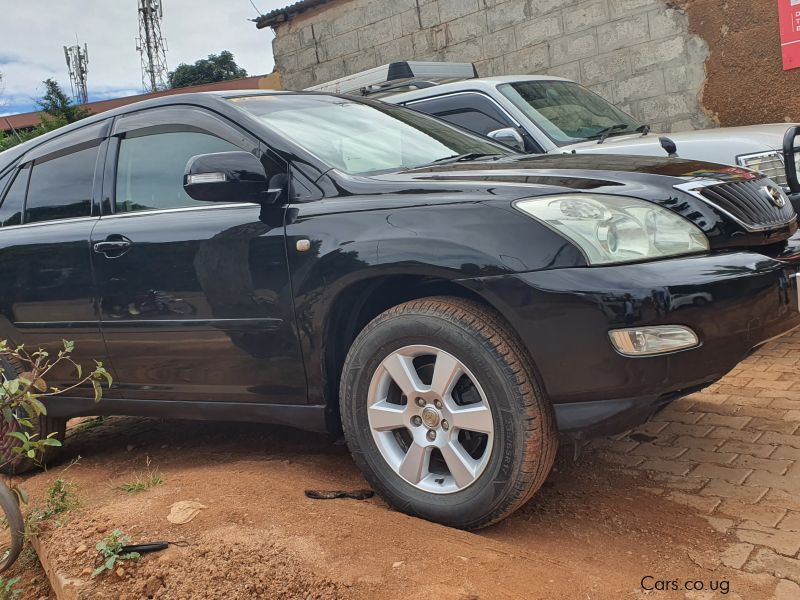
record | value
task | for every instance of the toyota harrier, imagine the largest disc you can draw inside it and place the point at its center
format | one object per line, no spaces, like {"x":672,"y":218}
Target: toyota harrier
{"x":347,"y":266}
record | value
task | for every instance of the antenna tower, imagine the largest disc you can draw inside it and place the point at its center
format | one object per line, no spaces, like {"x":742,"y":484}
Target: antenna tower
{"x":77,"y":61}
{"x":151,"y":46}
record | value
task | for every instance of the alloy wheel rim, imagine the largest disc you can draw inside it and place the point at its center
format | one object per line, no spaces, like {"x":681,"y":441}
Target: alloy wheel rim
{"x":430,"y":419}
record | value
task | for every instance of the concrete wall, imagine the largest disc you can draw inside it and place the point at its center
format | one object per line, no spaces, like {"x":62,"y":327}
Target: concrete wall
{"x":639,"y":54}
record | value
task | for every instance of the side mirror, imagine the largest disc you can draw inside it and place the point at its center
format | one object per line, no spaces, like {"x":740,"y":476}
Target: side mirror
{"x":226,"y":177}
{"x":508,"y":136}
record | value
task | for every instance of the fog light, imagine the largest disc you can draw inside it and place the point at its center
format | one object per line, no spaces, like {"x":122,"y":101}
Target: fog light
{"x":644,"y":341}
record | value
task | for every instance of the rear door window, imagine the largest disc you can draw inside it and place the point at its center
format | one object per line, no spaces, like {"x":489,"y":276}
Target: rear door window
{"x":470,"y":110}
{"x":61,"y":187}
{"x":11,"y":206}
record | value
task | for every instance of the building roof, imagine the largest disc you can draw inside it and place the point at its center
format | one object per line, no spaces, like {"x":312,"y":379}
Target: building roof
{"x":280,"y":15}
{"x":32,"y":119}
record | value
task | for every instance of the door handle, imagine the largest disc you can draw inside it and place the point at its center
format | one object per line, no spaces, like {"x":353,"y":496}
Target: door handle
{"x":113,"y":246}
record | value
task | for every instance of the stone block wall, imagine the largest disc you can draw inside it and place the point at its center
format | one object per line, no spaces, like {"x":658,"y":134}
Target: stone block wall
{"x":639,"y":54}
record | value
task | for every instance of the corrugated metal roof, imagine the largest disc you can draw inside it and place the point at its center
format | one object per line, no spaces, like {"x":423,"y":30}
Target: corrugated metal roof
{"x":280,"y":15}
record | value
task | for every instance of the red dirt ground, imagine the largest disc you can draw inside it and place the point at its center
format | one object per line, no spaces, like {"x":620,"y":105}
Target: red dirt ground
{"x":590,"y":533}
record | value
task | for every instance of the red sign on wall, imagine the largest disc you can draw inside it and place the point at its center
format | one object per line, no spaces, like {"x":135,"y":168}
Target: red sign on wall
{"x":789,"y":16}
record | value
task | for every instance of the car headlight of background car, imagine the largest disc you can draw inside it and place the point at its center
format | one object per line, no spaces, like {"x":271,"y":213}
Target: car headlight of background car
{"x":615,"y":229}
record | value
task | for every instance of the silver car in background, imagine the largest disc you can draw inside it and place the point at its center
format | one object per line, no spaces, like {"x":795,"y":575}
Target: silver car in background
{"x":548,"y":114}
{"x":554,"y":115}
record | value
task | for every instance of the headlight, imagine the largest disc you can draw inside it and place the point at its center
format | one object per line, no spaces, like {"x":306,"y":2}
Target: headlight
{"x":768,"y":163}
{"x":615,"y":229}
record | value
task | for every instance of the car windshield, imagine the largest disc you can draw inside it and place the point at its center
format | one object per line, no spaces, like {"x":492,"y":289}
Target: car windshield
{"x":362,"y":138}
{"x":567,"y":112}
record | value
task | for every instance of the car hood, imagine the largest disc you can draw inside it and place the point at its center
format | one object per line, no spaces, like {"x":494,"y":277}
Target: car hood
{"x":574,"y":171}
{"x":722,"y":145}
{"x":515,"y":177}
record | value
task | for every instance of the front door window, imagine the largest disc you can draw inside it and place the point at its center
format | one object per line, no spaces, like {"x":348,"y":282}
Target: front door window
{"x":150,"y":169}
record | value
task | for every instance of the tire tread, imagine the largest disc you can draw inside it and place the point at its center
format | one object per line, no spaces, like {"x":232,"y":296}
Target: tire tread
{"x":538,"y":426}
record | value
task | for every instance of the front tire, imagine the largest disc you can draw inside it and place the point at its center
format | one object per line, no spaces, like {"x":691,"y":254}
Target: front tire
{"x":443,"y":414}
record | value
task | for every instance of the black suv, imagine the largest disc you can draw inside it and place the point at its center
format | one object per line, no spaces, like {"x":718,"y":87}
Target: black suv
{"x":335,"y":264}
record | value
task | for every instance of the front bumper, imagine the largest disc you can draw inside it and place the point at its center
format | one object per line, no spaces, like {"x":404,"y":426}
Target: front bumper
{"x":734,"y":302}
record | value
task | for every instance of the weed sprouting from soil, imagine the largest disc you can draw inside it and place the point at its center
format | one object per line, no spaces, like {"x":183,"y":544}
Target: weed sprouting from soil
{"x":142,"y":481}
{"x":110,"y":549}
{"x":60,"y":498}
{"x":8,"y":589}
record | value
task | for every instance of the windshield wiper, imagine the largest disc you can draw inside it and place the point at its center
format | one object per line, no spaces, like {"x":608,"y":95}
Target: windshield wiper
{"x":463,"y":157}
{"x":604,"y":133}
{"x":643,"y":129}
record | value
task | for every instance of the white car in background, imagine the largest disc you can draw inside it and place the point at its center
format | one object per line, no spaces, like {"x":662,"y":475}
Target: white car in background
{"x":545,"y":114}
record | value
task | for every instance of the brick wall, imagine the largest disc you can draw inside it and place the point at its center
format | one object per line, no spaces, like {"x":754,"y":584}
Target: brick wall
{"x":639,"y":54}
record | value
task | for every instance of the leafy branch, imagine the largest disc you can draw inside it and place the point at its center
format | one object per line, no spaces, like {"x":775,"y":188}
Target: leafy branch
{"x":22,"y":389}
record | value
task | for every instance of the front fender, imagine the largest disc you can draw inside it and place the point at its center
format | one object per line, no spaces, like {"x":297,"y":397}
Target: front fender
{"x":330,"y":249}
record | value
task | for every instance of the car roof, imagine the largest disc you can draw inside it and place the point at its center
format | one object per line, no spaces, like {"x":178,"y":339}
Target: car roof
{"x":204,"y":99}
{"x":480,"y":83}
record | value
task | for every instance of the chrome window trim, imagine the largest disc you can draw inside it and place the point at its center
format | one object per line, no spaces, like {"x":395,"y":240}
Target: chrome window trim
{"x":53,"y":222}
{"x":219,"y":205}
{"x":692,"y":188}
{"x":132,"y":214}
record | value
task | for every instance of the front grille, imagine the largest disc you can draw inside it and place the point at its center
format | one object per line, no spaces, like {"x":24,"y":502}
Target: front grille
{"x":750,"y":203}
{"x":770,"y":164}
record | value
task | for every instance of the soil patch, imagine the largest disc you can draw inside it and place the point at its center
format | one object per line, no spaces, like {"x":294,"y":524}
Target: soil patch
{"x":591,"y":532}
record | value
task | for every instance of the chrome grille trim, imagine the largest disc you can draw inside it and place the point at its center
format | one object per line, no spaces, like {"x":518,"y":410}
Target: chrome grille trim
{"x":772,"y":165}
{"x":745,"y":202}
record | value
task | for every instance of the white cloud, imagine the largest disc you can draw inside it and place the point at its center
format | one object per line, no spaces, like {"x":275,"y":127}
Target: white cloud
{"x":35,"y":31}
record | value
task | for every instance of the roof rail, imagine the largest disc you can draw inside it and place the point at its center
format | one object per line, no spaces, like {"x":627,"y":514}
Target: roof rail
{"x":396,"y":77}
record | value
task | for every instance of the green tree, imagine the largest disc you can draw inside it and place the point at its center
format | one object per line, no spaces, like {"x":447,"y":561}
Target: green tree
{"x":9,"y":140}
{"x":57,"y":110}
{"x":217,"y":67}
{"x":55,"y":104}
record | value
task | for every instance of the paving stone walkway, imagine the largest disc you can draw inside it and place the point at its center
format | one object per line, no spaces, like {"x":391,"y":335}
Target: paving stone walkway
{"x":732,"y":452}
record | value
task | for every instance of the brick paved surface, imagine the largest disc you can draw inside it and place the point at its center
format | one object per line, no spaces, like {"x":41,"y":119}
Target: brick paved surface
{"x":732,"y":452}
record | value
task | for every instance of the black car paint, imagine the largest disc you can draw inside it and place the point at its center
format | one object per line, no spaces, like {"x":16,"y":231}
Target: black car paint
{"x":259,"y":336}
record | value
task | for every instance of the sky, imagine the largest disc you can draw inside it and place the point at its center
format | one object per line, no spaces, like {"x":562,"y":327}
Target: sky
{"x":34,"y":32}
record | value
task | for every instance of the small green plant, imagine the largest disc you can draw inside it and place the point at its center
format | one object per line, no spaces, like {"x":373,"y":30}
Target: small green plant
{"x":21,"y":393}
{"x":23,"y":387}
{"x":60,"y":498}
{"x":8,"y":589}
{"x":142,"y":481}
{"x":110,"y":549}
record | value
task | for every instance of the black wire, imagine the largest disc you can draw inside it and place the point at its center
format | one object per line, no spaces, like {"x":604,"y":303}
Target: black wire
{"x":254,"y":6}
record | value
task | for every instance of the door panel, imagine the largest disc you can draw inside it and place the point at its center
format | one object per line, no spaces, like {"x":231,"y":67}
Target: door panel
{"x":47,"y":291}
{"x":199,"y":307}
{"x":194,"y":297}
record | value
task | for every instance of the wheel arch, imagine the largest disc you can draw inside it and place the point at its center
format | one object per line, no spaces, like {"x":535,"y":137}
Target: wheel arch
{"x":356,"y":305}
